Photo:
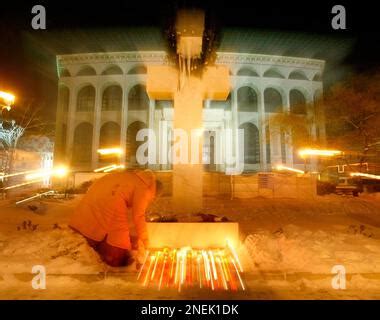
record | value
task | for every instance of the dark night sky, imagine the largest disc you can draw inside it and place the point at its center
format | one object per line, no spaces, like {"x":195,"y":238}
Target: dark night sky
{"x":19,"y":74}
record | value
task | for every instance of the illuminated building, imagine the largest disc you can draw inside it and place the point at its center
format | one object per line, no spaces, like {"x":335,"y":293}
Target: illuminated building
{"x":103,"y":101}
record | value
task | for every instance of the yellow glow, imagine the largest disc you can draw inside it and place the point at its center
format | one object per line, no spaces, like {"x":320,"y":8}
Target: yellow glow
{"x":8,"y":98}
{"x":3,"y":175}
{"x":316,"y":152}
{"x":105,"y":168}
{"x":199,"y":132}
{"x":22,"y":184}
{"x":114,"y":168}
{"x":215,"y":269}
{"x":59,"y":172}
{"x":365,"y":175}
{"x":284,"y":168}
{"x":109,"y":151}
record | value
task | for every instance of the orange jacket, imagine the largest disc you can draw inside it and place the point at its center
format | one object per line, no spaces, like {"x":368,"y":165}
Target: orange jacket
{"x":103,"y":210}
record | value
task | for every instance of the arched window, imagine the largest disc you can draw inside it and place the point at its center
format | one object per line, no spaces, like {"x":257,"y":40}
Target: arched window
{"x":138,"y":98}
{"x":138,"y":70}
{"x":272,"y":100}
{"x":112,"y":98}
{"x":247,"y":72}
{"x":298,"y":75}
{"x":82,"y":144}
{"x":87,"y":71}
{"x":109,"y":135}
{"x":297,"y":102}
{"x":86,"y":99}
{"x":109,"y":138}
{"x":221,"y":104}
{"x":64,"y":98}
{"x":251,"y":143}
{"x":247,"y":99}
{"x":273,"y":73}
{"x":111,"y":70}
{"x":132,"y":143}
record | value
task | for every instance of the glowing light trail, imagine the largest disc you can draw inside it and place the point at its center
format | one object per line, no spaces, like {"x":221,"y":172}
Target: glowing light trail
{"x":215,"y":269}
{"x":38,"y":195}
{"x":58,"y":172}
{"x":142,"y":267}
{"x":22,"y":184}
{"x":364,"y":175}
{"x":284,"y":168}
{"x":105,"y":168}
{"x":232,"y":249}
{"x":317,"y":152}
{"x":109,"y":151}
{"x":114,"y":168}
{"x":3,"y":175}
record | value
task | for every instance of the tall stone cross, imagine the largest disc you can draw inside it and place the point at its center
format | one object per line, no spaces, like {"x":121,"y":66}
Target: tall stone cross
{"x":188,"y":93}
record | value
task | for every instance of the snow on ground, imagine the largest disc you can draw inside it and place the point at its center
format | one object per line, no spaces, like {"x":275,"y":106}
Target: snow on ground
{"x":288,"y":250}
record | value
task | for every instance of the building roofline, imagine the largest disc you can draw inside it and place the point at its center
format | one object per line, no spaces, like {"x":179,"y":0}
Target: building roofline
{"x":159,"y":56}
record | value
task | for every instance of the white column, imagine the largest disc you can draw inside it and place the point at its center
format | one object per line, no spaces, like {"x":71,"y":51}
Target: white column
{"x":123,"y":127}
{"x":262,"y":132}
{"x":96,"y":126}
{"x":275,"y":133}
{"x":288,"y":137}
{"x":235,"y":125}
{"x":310,"y":114}
{"x":163,"y":142}
{"x":59,"y":154}
{"x":71,"y":124}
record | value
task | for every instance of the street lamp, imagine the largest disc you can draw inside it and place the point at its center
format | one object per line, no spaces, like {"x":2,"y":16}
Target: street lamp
{"x":6,"y":100}
{"x":317,"y":152}
{"x":110,"y":151}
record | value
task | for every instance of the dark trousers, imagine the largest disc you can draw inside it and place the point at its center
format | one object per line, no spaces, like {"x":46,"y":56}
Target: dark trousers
{"x":113,"y":256}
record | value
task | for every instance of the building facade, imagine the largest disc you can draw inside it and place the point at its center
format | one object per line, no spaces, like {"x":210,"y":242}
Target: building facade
{"x":102,"y":102}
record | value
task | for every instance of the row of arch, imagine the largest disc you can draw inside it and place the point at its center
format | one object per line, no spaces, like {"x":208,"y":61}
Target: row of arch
{"x":141,"y":69}
{"x":138,"y":99}
{"x":109,"y":70}
{"x":109,"y":136}
{"x":247,"y":101}
{"x":275,"y":73}
{"x":273,"y":101}
{"x":112,"y":98}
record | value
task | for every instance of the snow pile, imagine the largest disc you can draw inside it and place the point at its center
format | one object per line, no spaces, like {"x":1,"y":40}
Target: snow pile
{"x":60,"y":250}
{"x":296,"y":249}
